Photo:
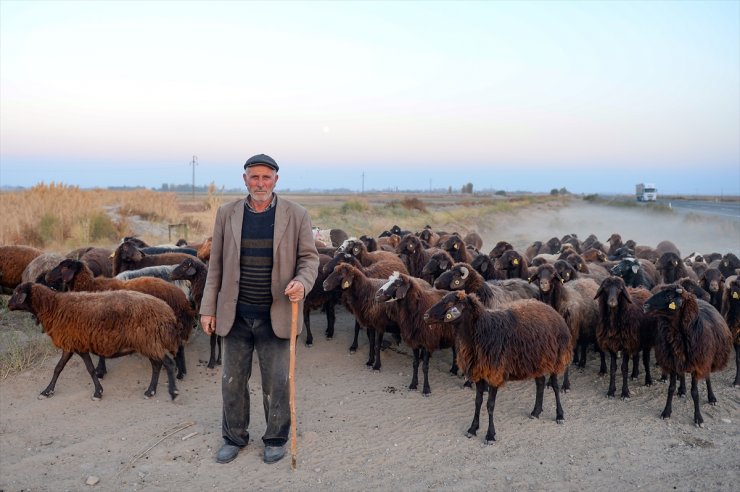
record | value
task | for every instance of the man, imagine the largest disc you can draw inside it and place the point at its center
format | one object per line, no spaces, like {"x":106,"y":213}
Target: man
{"x":263,"y":257}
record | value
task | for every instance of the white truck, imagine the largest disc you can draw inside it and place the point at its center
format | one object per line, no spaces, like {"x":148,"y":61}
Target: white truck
{"x":646,"y":192}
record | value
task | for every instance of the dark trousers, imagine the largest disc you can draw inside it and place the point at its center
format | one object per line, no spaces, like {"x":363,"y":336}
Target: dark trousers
{"x":274,"y":358}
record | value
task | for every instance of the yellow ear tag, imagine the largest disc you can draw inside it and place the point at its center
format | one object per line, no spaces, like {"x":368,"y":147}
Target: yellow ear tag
{"x":735,"y":295}
{"x":672,"y":306}
{"x":516,"y":261}
{"x":345,"y":284}
{"x":448,"y":316}
{"x":457,"y":246}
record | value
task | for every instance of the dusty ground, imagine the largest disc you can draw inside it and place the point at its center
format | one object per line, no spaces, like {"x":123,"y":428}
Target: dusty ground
{"x":361,"y":430}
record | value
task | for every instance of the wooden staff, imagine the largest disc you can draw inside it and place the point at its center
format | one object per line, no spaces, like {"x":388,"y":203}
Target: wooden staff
{"x":291,"y":381}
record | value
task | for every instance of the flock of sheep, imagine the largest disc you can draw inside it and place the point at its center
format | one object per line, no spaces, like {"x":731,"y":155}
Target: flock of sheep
{"x":507,"y":315}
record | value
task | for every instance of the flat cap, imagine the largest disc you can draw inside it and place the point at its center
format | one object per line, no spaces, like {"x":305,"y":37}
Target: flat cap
{"x":261,"y":160}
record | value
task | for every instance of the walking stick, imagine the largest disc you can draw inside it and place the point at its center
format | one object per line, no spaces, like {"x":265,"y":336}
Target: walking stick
{"x":291,"y":381}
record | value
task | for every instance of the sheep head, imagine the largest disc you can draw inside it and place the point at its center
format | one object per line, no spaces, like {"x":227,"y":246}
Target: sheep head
{"x":613,"y":288}
{"x":342,"y":276}
{"x":448,"y":309}
{"x":666,"y":302}
{"x":396,"y":288}
{"x":456,"y":278}
{"x":21,"y":298}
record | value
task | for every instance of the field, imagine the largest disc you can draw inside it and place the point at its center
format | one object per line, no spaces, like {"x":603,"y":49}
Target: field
{"x":362,"y":430}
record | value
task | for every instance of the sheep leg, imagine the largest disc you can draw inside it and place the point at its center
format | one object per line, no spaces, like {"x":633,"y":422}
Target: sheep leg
{"x":698,"y":420}
{"x":415,"y":374}
{"x":625,"y":378}
{"x":480,"y":387}
{"x":602,"y":367}
{"x":371,"y":347}
{"x":710,"y":393}
{"x":635,"y":366}
{"x":98,"y":394}
{"x":49,"y":390}
{"x":671,"y":389}
{"x":612,"y":375}
{"x":575,"y":356}
{"x":353,"y":347}
{"x":566,"y":380}
{"x":180,"y":362}
{"x":454,"y":369}
{"x":156,"y":368}
{"x":307,"y":324}
{"x":539,"y":395}
{"x":736,"y":384}
{"x":425,"y":367}
{"x":582,"y":345}
{"x":378,"y":345}
{"x":101,"y":370}
{"x":490,"y":405}
{"x":169,"y":366}
{"x":560,"y":415}
{"x":330,"y":319}
{"x":219,"y":341}
{"x":682,"y":385}
{"x":646,"y":366}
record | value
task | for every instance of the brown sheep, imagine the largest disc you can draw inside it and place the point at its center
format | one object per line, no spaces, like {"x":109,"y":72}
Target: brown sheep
{"x":409,"y":298}
{"x":13,"y":260}
{"x":39,"y":266}
{"x":109,"y":324}
{"x":457,"y":248}
{"x":96,"y":259}
{"x":439,"y":263}
{"x":623,"y":326}
{"x":76,"y":276}
{"x":415,"y":256}
{"x":525,"y":340}
{"x":318,"y":298}
{"x":493,"y":294}
{"x":692,"y":337}
{"x":731,"y":314}
{"x":671,"y":268}
{"x":128,"y":257}
{"x":512,"y":264}
{"x":473,"y":239}
{"x":357,"y":248}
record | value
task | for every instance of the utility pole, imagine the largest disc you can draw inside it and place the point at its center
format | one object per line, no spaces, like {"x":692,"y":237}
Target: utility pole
{"x":194,"y":163}
{"x":363,"y":183}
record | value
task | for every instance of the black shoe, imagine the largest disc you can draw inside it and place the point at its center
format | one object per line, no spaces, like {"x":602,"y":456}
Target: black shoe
{"x":273,"y":454}
{"x":227,"y":453}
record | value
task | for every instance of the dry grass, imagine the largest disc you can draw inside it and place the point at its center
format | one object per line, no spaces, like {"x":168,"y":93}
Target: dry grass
{"x":22,"y":344}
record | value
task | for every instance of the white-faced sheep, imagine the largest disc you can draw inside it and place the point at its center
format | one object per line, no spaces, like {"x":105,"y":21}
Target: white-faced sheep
{"x":692,"y":337}
{"x":524,"y":340}
{"x":13,"y":260}
{"x":409,"y":298}
{"x":623,"y":326}
{"x":109,"y":324}
{"x":76,"y":276}
{"x":357,"y":248}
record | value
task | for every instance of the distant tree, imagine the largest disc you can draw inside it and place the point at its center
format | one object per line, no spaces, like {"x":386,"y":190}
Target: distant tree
{"x":449,"y":190}
{"x":467,"y":188}
{"x":564,"y":191}
{"x":500,"y":193}
{"x":165,"y":187}
{"x":554,"y":191}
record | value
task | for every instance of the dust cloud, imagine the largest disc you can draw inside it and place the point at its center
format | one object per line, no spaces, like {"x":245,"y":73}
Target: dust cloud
{"x":690,"y":232}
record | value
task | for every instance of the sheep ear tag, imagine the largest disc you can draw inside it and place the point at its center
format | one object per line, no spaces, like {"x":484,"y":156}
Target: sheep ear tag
{"x":452,"y":313}
{"x":515,"y":261}
{"x":345,"y":284}
{"x":735,"y":295}
{"x":635,"y":268}
{"x":672,"y":306}
{"x":457,"y":246}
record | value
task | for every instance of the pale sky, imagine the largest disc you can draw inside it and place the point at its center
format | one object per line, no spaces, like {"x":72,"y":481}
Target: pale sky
{"x":592,"y":96}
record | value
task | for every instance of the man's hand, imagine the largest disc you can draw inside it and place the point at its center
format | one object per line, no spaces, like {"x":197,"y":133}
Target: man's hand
{"x":208,"y":323}
{"x":295,"y":291}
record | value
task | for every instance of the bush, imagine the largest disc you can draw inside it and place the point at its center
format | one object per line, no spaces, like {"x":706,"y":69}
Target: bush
{"x":354,"y":206}
{"x":100,"y":226}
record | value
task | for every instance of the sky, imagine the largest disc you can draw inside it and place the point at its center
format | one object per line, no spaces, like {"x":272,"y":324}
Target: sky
{"x":591,"y":96}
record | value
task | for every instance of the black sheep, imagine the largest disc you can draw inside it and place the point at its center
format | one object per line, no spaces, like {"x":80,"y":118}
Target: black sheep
{"x":691,"y":337}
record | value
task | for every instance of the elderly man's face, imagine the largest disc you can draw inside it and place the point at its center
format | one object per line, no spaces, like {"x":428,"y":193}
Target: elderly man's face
{"x":260,"y":181}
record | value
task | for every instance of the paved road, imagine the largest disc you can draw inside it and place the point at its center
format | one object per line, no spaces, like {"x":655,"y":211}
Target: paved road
{"x":723,"y":209}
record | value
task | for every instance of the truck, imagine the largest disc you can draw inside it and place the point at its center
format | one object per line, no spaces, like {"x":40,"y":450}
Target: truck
{"x":646,"y":192}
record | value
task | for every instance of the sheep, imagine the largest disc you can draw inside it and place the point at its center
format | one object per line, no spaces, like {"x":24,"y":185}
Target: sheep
{"x":414,"y":255}
{"x":456,"y":247}
{"x":575,"y":303}
{"x":593,"y":255}
{"x":666,"y":247}
{"x":136,"y":241}
{"x":512,"y":264}
{"x":195,"y":272}
{"x":332,"y":237}
{"x":358,"y":295}
{"x":318,"y":298}
{"x":694,"y":287}
{"x":621,"y":253}
{"x":615,"y":242}
{"x":691,"y":337}
{"x":624,"y":326}
{"x":500,"y":248}
{"x":633,"y":273}
{"x":429,"y":236}
{"x":409,"y":298}
{"x":493,"y":294}
{"x":97,"y":259}
{"x":729,"y":265}
{"x":38,"y":267}
{"x":473,"y":239}
{"x":356,"y":248}
{"x":526,"y":339}
{"x":589,"y":270}
{"x":13,"y":260}
{"x":129,"y":257}
{"x":671,"y":267}
{"x":731,"y":314}
{"x":440,"y":262}
{"x":485,"y":265}
{"x":109,"y":324}
{"x":571,"y":240}
{"x":76,"y":276}
{"x":713,"y":282}
{"x":160,"y":271}
{"x":552,"y":246}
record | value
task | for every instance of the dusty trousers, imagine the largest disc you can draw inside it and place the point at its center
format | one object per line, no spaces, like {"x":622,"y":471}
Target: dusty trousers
{"x":273,"y":354}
